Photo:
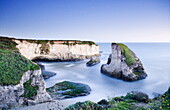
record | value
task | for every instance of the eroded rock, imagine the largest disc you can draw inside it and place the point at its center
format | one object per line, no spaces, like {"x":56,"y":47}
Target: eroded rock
{"x":123,"y":64}
{"x":16,"y":95}
{"x":68,"y":89}
{"x":93,"y":61}
{"x":46,"y":74}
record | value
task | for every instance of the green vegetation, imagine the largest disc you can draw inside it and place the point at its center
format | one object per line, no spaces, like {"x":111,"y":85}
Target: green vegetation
{"x":128,"y":54}
{"x":8,"y":44}
{"x":12,"y":67}
{"x":121,"y":106}
{"x":162,"y":102}
{"x":131,"y":101}
{"x":29,"y":90}
{"x":12,"y":64}
{"x":137,"y":73}
{"x":39,"y":41}
{"x":78,"y":42}
{"x":87,"y":105}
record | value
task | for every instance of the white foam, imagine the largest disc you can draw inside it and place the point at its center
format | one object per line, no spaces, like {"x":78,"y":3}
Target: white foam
{"x":69,"y":65}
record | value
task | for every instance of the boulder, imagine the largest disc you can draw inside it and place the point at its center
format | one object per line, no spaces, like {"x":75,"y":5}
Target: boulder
{"x":103,"y":102}
{"x":68,"y":89}
{"x":93,"y":61}
{"x":45,"y":74}
{"x":138,"y":96}
{"x":48,"y":74}
{"x":123,"y":64}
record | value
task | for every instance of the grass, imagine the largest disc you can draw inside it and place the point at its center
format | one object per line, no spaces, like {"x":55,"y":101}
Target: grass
{"x":66,"y":42}
{"x":160,"y":103}
{"x":121,"y":106}
{"x":126,"y":103}
{"x":78,"y":42}
{"x":40,"y":41}
{"x":29,"y":90}
{"x":130,"y":58}
{"x":8,"y":44}
{"x":137,"y":73}
{"x":12,"y":63}
{"x":87,"y":105}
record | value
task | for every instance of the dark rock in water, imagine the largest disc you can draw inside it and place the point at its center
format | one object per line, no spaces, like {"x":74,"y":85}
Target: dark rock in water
{"x":41,"y":65}
{"x":45,"y":74}
{"x":48,"y":74}
{"x":68,"y":89}
{"x":93,"y":61}
{"x":138,"y":96}
{"x":132,"y":101}
{"x":123,"y":64}
{"x":103,"y":102}
{"x":156,"y":94}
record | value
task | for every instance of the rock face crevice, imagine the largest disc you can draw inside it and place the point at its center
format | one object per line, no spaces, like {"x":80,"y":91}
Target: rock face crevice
{"x":56,"y":50}
{"x":123,"y":64}
{"x":12,"y":96}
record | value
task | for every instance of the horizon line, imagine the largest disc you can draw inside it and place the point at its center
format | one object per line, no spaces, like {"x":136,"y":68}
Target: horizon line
{"x":83,"y":40}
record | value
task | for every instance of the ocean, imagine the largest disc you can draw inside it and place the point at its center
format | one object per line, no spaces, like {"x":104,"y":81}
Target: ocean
{"x":155,"y":58}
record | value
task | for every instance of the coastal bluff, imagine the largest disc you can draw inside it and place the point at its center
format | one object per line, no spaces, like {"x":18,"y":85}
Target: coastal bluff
{"x":21,"y":81}
{"x":123,"y":64}
{"x":58,"y":50}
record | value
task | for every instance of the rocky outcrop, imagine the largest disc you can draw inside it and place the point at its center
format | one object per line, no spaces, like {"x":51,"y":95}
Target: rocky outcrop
{"x":57,"y":50}
{"x":138,"y":96}
{"x":93,"y":61}
{"x":45,"y":74}
{"x":30,"y":90}
{"x":123,"y":64}
{"x":48,"y":74}
{"x":68,"y":89}
{"x":134,"y":100}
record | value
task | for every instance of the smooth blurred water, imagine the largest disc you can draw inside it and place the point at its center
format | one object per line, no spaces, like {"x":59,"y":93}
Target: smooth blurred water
{"x":154,"y":56}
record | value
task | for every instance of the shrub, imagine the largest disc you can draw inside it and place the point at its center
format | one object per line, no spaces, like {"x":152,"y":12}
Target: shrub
{"x":29,"y":90}
{"x":87,"y":105}
{"x":12,"y":63}
{"x":128,"y":54}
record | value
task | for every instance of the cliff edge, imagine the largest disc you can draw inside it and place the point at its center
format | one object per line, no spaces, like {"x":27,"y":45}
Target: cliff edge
{"x":21,"y":82}
{"x":123,"y":64}
{"x":58,"y":50}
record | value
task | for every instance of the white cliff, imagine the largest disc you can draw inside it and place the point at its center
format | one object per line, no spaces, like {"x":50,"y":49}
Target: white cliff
{"x":56,"y":50}
{"x":12,"y":95}
{"x":120,"y":68}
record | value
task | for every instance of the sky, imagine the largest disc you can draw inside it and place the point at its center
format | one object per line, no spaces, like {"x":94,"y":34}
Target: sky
{"x":96,"y":20}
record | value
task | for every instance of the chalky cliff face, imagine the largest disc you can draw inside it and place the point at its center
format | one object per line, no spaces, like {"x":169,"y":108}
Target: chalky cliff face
{"x":57,"y":50}
{"x":123,"y":64}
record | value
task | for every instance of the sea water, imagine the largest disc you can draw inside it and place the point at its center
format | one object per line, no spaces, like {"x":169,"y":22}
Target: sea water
{"x":155,"y":58}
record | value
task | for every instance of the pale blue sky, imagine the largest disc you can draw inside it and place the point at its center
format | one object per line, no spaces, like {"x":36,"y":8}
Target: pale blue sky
{"x":97,"y":20}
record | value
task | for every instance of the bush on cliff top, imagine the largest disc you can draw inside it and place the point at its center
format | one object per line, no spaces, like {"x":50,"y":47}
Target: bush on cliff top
{"x":78,"y":42}
{"x":12,"y":67}
{"x":12,"y":64}
{"x":8,"y":44}
{"x":130,"y":58}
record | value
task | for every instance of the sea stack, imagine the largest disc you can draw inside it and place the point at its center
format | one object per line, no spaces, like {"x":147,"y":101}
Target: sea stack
{"x":123,"y":64}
